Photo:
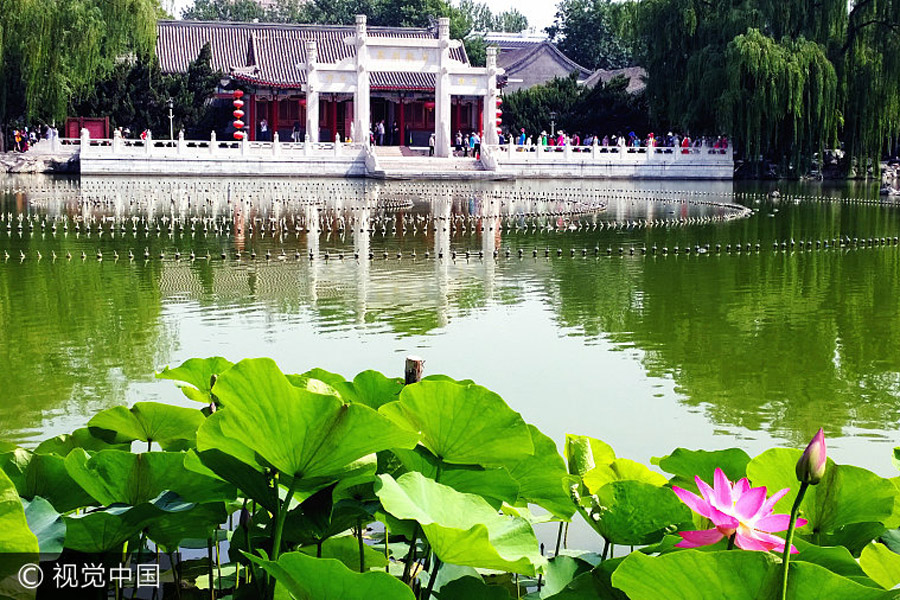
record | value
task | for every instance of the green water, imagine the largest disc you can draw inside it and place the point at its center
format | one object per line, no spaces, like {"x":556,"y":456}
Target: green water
{"x":646,"y":351}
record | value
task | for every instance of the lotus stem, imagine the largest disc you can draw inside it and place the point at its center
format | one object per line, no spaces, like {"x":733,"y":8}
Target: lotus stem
{"x":731,"y":541}
{"x":209,"y":555}
{"x":362,"y":556}
{"x":411,"y":555}
{"x":558,"y":539}
{"x":789,"y":538}
{"x":282,"y":515}
{"x":605,"y":550}
{"x":433,"y":578}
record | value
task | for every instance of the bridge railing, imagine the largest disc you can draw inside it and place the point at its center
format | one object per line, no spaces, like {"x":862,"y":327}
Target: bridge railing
{"x":626,"y":155}
{"x":117,"y":146}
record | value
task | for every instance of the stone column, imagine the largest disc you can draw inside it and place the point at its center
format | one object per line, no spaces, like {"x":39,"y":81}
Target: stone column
{"x":442,"y":98}
{"x":361,"y":98}
{"x":312,"y":92}
{"x":489,"y":112}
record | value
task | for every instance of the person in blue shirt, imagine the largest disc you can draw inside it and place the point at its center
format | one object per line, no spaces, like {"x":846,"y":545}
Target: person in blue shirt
{"x":521,"y":141}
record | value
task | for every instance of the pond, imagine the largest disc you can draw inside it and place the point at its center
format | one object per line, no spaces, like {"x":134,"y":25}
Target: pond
{"x":647,"y":314}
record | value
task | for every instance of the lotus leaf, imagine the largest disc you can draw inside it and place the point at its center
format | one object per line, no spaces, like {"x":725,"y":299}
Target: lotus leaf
{"x":697,"y":575}
{"x":251,"y":482}
{"x":172,"y":427}
{"x":493,"y":484}
{"x":462,"y":424}
{"x":14,"y":463}
{"x":198,"y":372}
{"x":637,"y":513}
{"x":621,"y":469}
{"x":687,"y":464}
{"x":47,"y":525}
{"x":560,"y":571}
{"x":583,"y":453}
{"x":302,"y":434}
{"x":311,"y":384}
{"x":847,"y":495}
{"x":471,"y":588}
{"x":880,"y":564}
{"x":170,"y":529}
{"x":47,"y":477}
{"x":836,"y":559}
{"x":372,"y":389}
{"x":462,"y":529}
{"x":328,"y":579}
{"x":16,"y":537}
{"x":80,"y":438}
{"x":346,"y":549}
{"x":116,"y":477}
{"x":543,"y":479}
{"x":106,"y":530}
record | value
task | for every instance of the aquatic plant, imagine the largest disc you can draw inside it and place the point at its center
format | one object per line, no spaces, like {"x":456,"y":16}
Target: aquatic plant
{"x":314,"y":486}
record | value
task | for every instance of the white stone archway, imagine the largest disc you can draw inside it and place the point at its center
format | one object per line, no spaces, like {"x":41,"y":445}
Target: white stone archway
{"x":403,"y":55}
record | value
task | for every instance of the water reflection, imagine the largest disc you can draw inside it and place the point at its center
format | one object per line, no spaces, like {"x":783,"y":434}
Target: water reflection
{"x":549,"y":292}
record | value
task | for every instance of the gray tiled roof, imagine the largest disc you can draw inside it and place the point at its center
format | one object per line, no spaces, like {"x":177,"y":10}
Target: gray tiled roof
{"x":635,"y":75}
{"x":267,"y":53}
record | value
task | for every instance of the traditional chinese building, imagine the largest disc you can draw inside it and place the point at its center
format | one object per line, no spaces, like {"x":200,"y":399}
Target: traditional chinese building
{"x":325,"y":81}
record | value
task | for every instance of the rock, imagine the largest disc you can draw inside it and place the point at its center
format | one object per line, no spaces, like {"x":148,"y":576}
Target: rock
{"x":14,"y":162}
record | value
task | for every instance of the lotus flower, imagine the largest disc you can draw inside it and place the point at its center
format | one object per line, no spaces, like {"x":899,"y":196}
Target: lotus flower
{"x":811,"y":466}
{"x":737,"y":510}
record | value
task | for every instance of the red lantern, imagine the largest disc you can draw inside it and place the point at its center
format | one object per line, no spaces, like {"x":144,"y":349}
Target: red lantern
{"x":238,"y":93}
{"x":499,"y":100}
{"x":238,"y":114}
{"x":238,"y":124}
{"x":302,"y":101}
{"x":429,"y":105}
{"x":239,"y":104}
{"x":238,"y":135}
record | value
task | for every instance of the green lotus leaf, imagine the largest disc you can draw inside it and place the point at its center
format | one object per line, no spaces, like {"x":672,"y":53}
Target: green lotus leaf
{"x":697,"y":575}
{"x":559,"y":572}
{"x":47,"y":477}
{"x":462,"y":529}
{"x":881,"y":565}
{"x":15,"y":463}
{"x":332,"y":379}
{"x":372,"y":389}
{"x":847,"y":495}
{"x":251,"y":482}
{"x":895,"y":457}
{"x":462,"y":424}
{"x":836,"y":559}
{"x":303,"y":435}
{"x":621,"y":469}
{"x":197,"y":372}
{"x":47,"y":525}
{"x":854,"y":537}
{"x":471,"y":588}
{"x":583,"y":453}
{"x":310,"y":384}
{"x":172,"y":427}
{"x":495,"y":484}
{"x":346,"y":549}
{"x":116,"y":477}
{"x":80,"y":438}
{"x":16,"y":536}
{"x":306,"y":577}
{"x":170,"y":529}
{"x":106,"y":530}
{"x":593,"y":585}
{"x":543,"y":478}
{"x":638,"y":513}
{"x":891,"y":539}
{"x":686,"y":464}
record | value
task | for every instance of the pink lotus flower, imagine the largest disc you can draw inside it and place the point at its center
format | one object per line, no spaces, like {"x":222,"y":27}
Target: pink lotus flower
{"x":737,"y":510}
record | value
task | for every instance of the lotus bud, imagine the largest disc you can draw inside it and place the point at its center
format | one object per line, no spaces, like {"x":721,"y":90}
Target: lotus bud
{"x":811,"y":466}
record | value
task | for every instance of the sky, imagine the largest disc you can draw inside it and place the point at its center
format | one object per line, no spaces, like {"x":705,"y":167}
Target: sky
{"x":540,"y":13}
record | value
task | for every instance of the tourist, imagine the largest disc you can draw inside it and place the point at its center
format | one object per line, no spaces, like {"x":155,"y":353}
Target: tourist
{"x":521,"y":140}
{"x":476,"y":145}
{"x":606,"y":140}
{"x":379,"y":132}
{"x":685,"y":145}
{"x":295,"y":133}
{"x":264,"y":131}
{"x":470,"y":144}
{"x":395,"y":135}
{"x":459,"y":143}
{"x":576,"y":140}
{"x":430,"y":145}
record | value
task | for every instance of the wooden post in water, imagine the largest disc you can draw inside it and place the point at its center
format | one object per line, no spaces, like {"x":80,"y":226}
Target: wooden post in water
{"x":414,"y":368}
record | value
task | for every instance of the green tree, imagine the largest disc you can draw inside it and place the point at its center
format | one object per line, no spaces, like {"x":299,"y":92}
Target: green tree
{"x":52,"y":49}
{"x":224,"y":10}
{"x":511,"y":21}
{"x":587,"y":31}
{"x":478,"y":14}
{"x":785,"y":78}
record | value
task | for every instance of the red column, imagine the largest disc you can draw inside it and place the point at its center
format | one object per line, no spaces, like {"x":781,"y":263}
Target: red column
{"x":333,"y":118}
{"x":479,"y":125}
{"x":251,"y":122}
{"x":458,"y":116}
{"x":273,"y":122}
{"x":402,"y":124}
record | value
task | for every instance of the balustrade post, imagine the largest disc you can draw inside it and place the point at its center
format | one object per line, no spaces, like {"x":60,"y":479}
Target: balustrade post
{"x":85,"y":140}
{"x":307,"y":146}
{"x":148,"y":142}
{"x":116,"y":141}
{"x":276,"y":144}
{"x":245,"y":147}
{"x":594,"y":148}
{"x":212,"y":142}
{"x":567,"y":151}
{"x":538,"y":149}
{"x":337,"y":144}
{"x":180,"y":147}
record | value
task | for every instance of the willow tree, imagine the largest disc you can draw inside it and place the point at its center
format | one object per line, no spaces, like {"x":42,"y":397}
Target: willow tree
{"x":786,"y":78}
{"x":51,"y":49}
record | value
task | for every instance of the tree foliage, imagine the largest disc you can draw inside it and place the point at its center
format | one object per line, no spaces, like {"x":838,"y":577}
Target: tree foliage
{"x":587,"y":31}
{"x":135,"y":95}
{"x":785,"y":78}
{"x":603,"y":110}
{"x":52,"y":49}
